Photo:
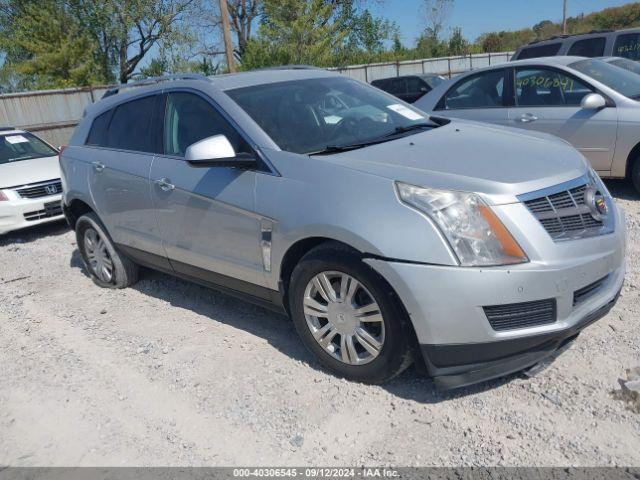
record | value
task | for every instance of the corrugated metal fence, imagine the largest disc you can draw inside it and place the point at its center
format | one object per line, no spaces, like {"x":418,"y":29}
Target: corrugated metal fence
{"x":447,"y":66}
{"x":52,"y":114}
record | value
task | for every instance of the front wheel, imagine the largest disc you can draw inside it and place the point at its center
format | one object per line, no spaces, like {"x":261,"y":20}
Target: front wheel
{"x":348,"y":317}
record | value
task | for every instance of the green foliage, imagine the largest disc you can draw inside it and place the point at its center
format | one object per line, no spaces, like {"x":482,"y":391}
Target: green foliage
{"x":46,"y":47}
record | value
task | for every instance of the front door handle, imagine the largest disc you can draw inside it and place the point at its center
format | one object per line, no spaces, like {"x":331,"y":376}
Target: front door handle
{"x":527,"y":118}
{"x":98,"y":166}
{"x":165,"y":184}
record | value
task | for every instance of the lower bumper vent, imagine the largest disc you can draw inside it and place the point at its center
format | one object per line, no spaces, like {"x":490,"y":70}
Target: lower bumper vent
{"x":521,"y":315}
{"x":587,"y":292}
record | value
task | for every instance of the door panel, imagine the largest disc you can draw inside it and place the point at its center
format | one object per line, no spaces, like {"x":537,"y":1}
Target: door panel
{"x":121,"y":159}
{"x":119,"y":186}
{"x":206,"y":215}
{"x":477,"y":97}
{"x":549,"y":101}
{"x":207,"y":218}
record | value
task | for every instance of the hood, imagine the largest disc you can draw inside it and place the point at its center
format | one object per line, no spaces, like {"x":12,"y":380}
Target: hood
{"x":29,"y":171}
{"x":498,"y":162}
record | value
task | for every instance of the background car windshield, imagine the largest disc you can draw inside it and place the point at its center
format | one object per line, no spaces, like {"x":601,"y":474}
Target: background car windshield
{"x":309,"y":115}
{"x":23,"y":146}
{"x":620,"y":80}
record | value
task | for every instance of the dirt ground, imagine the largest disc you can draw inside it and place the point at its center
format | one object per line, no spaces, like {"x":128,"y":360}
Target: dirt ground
{"x":170,"y":373}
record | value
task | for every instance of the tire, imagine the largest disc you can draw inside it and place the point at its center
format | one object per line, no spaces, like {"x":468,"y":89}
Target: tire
{"x":635,"y":174}
{"x":94,"y":242}
{"x":363,"y":362}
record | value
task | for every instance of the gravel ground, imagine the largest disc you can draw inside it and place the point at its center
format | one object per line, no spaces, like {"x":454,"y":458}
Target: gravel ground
{"x":170,"y":373}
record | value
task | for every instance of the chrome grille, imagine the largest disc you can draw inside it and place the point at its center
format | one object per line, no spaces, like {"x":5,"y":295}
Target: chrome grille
{"x":564,"y":213}
{"x":38,"y":190}
{"x":521,"y":315}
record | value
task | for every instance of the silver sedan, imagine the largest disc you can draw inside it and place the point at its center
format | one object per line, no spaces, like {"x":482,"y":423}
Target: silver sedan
{"x":588,"y":102}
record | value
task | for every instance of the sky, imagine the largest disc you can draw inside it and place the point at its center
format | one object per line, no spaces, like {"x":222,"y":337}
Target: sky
{"x":479,"y":16}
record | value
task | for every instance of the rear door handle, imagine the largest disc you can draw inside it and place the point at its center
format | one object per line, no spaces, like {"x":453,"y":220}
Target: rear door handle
{"x":527,"y":118}
{"x":165,"y":184}
{"x":98,"y":166}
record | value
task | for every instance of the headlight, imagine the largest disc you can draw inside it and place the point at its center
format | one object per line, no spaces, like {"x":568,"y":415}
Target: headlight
{"x":475,"y":233}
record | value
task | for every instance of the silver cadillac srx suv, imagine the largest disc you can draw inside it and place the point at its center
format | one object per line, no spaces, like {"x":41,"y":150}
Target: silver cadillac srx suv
{"x":388,"y":236}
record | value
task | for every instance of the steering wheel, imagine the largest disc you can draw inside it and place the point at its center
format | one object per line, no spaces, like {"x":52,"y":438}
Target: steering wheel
{"x":354,"y":127}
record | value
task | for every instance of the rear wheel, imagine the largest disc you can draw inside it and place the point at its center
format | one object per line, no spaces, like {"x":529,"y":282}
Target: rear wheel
{"x":348,"y":317}
{"x":107,"y":267}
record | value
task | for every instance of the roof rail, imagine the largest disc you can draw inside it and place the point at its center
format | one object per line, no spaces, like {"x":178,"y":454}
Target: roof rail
{"x":151,"y":80}
{"x":563,"y":36}
{"x":7,"y":128}
{"x":291,"y":67}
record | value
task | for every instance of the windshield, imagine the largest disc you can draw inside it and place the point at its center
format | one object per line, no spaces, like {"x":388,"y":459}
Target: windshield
{"x":319,"y":114}
{"x":620,"y":80}
{"x":23,"y":146}
{"x":626,"y":64}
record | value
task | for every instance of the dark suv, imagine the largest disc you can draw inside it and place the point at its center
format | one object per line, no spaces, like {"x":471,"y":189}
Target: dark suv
{"x":597,"y":43}
{"x":410,"y":87}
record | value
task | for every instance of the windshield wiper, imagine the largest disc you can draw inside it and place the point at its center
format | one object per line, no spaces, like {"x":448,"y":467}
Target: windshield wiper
{"x":384,"y":138}
{"x":410,"y":128}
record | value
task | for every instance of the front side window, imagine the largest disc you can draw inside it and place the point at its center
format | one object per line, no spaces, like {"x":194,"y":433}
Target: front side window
{"x":23,"y":146}
{"x":539,"y":51}
{"x":189,"y":118}
{"x":590,"y":47}
{"x":627,"y":46}
{"x":307,"y":116}
{"x":484,"y":90}
{"x":622,"y":81}
{"x":539,"y":87}
{"x":130,"y":126}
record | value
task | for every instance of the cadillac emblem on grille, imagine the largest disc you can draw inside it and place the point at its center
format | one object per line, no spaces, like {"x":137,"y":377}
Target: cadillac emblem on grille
{"x":596,"y":202}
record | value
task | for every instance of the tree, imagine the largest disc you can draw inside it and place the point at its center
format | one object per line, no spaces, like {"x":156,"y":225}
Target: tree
{"x":458,"y":45}
{"x":436,"y":13}
{"x":491,"y":42}
{"x":45,"y":47}
{"x":242,"y":14}
{"x":126,"y":30}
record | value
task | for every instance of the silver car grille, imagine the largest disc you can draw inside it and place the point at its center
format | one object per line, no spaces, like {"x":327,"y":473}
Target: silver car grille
{"x":564,"y":213}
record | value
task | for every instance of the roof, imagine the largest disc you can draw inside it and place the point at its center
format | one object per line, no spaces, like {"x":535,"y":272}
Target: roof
{"x":259,"y":77}
{"x":560,"y":38}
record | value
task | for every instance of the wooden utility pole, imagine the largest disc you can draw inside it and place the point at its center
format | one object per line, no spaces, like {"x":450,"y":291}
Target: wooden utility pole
{"x":564,"y":17}
{"x":226,"y":30}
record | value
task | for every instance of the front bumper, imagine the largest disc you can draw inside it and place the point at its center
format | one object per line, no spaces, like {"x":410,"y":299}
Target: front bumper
{"x":23,"y":213}
{"x":445,"y":305}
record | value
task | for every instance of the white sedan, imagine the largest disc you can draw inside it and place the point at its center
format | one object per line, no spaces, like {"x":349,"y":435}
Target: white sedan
{"x":30,"y":187}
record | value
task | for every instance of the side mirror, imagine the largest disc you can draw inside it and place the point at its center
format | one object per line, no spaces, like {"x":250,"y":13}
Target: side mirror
{"x":593,"y":101}
{"x":217,"y":151}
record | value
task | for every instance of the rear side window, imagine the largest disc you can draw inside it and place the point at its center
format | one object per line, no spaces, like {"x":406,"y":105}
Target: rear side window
{"x":190,"y":118}
{"x":627,"y":46}
{"x":98,"y":133}
{"x":590,"y":47}
{"x":548,"y":50}
{"x":129,"y":128}
{"x":484,"y":90}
